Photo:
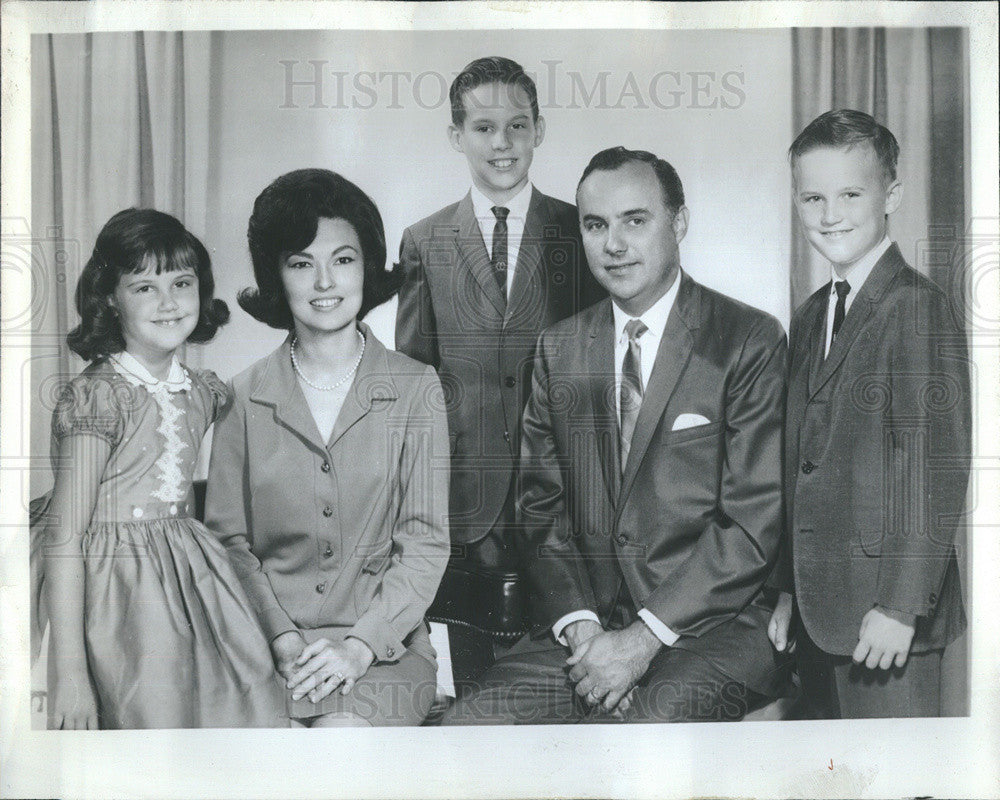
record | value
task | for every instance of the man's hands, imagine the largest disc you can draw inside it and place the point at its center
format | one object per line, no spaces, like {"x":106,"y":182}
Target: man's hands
{"x":607,"y":665}
{"x":779,"y":627}
{"x":576,"y":633}
{"x":882,"y":641}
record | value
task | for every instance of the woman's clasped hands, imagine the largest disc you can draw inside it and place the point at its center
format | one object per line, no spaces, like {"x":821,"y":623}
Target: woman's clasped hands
{"x":324,"y":666}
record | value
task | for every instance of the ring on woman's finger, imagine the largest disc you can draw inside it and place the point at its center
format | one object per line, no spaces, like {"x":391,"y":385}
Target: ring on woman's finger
{"x":338,"y":675}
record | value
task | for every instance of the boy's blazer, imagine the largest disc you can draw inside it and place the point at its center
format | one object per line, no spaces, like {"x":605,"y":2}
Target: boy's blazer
{"x":877,"y":448}
{"x":695,"y":519}
{"x":345,"y":535}
{"x":452,"y":316}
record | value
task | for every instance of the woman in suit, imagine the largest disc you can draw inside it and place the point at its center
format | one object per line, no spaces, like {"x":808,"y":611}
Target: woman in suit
{"x":329,"y":475}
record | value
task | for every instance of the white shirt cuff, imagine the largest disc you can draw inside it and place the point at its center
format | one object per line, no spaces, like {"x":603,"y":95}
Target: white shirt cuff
{"x":663,"y":633}
{"x":573,"y":616}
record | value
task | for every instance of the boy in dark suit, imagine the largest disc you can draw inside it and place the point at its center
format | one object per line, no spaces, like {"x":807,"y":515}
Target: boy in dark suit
{"x":483,"y":277}
{"x":877,"y":444}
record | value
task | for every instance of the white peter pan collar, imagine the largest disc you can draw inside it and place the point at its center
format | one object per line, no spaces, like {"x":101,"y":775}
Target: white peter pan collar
{"x":128,"y":366}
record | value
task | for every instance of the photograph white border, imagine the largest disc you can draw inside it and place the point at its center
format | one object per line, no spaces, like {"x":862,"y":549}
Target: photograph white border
{"x":867,"y":758}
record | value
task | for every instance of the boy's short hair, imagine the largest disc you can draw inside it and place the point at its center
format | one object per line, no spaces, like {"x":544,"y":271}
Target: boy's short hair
{"x":616,"y":157}
{"x":848,"y":128}
{"x":492,"y":69}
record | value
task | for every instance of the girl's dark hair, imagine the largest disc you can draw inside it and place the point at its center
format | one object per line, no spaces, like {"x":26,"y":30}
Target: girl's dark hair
{"x":285,"y":218}
{"x":129,"y":243}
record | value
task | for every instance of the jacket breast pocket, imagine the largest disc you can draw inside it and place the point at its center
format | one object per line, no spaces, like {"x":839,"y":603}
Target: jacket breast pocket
{"x":691,"y":434}
{"x":688,"y":466}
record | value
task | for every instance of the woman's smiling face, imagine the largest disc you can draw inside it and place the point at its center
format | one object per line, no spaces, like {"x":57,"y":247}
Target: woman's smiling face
{"x":324,"y":281}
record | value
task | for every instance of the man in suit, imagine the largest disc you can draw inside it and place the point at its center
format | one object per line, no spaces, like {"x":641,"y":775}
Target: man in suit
{"x":651,"y":497}
{"x":877,"y":444}
{"x":483,"y":277}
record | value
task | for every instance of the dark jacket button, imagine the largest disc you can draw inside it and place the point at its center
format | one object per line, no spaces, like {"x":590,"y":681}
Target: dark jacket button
{"x":621,"y":538}
{"x":328,"y":552}
{"x":325,"y":466}
{"x":509,"y":382}
{"x":932,"y":598}
{"x":389,"y":651}
{"x":506,"y":436}
{"x":807,"y":467}
{"x":328,"y":512}
{"x":320,"y":588}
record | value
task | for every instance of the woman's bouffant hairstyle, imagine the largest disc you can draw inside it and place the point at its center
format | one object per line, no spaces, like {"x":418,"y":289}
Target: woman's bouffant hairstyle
{"x":285,"y":219}
{"x":130,"y":242}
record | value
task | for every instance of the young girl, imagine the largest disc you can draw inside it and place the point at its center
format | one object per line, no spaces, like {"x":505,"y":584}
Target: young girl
{"x":150,"y":627}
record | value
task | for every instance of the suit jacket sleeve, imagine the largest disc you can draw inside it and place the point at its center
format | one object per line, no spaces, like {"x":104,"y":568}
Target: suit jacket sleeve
{"x":420,"y":540}
{"x":735,"y":553}
{"x":227,"y":514}
{"x":416,"y":327}
{"x":927,"y":468}
{"x":556,"y":570}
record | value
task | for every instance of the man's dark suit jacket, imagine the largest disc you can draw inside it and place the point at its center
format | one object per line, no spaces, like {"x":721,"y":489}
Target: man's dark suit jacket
{"x":695,"y":519}
{"x":877,"y":450}
{"x":452,"y":316}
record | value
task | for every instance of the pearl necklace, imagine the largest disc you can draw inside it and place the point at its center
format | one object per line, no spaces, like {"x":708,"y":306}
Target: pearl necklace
{"x":338,"y":384}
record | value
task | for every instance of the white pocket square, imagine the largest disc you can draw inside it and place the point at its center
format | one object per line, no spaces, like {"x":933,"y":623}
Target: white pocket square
{"x":688,"y":421}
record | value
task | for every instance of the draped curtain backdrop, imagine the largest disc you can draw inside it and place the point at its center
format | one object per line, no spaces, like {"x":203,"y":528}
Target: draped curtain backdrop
{"x":117,"y":121}
{"x":915,"y":82}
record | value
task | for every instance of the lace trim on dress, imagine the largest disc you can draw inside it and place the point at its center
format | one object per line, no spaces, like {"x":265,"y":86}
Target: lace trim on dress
{"x":172,"y":487}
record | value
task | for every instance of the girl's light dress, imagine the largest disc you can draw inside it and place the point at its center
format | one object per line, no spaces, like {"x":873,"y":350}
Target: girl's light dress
{"x":171,"y":639}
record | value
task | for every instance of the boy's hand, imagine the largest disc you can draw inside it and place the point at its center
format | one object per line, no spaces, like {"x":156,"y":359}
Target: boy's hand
{"x":778,"y":627}
{"x":882,"y":641}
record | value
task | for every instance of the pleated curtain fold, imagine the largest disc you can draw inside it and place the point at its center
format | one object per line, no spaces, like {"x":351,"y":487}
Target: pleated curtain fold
{"x":112,"y":128}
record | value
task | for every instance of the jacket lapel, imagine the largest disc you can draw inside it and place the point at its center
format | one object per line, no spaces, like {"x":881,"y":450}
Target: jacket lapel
{"x":474,"y":255}
{"x":278,"y":387}
{"x":528,"y":285}
{"x":672,"y":357}
{"x":816,"y":340}
{"x":861,"y":311}
{"x":373,"y":382}
{"x":600,"y":360}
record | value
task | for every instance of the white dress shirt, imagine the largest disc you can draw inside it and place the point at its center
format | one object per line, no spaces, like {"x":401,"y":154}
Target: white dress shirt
{"x":517,"y":208}
{"x":655,"y":320}
{"x":856,"y":276}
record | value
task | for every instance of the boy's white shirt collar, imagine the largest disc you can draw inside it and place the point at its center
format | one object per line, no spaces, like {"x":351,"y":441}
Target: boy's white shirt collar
{"x":856,"y":277}
{"x":129,"y":367}
{"x":858,"y":274}
{"x":517,"y":206}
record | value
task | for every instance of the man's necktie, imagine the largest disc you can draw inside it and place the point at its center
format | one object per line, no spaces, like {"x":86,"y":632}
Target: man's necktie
{"x":499,"y":259}
{"x":631,"y":390}
{"x":843,"y":288}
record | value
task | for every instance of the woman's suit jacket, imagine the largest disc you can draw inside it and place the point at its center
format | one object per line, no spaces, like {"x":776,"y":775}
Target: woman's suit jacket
{"x":347,"y":537}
